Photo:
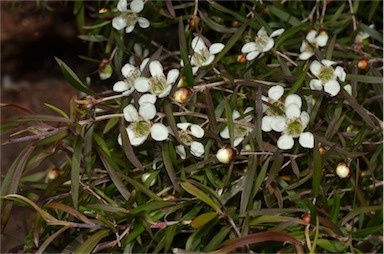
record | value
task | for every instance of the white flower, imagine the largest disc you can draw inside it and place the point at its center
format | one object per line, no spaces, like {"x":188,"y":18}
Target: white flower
{"x":316,"y":40}
{"x":274,"y":114}
{"x":239,"y":131}
{"x":203,"y":56}
{"x":140,"y":125}
{"x":140,"y":54}
{"x":294,"y":124}
{"x":130,"y":73}
{"x":187,"y":130}
{"x":157,"y":84}
{"x":327,"y":76}
{"x":128,"y":17}
{"x":362,"y":35}
{"x":261,"y":43}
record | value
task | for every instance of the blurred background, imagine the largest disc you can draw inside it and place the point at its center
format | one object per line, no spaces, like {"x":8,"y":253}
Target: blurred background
{"x":32,"y":33}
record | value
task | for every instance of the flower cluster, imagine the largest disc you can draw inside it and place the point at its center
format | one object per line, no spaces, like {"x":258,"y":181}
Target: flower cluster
{"x":285,"y":116}
{"x":129,"y":17}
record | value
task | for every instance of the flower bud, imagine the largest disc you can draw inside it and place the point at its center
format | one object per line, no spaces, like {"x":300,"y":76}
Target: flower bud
{"x":105,"y":69}
{"x":226,"y":154}
{"x":321,"y":150}
{"x":144,"y":178}
{"x":362,"y":64}
{"x":54,"y":173}
{"x":342,"y":170}
{"x":194,"y":22}
{"x":306,"y":218}
{"x":242,"y":58}
{"x":182,"y":94}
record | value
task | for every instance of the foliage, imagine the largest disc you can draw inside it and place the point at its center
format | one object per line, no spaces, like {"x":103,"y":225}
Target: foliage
{"x":103,"y":193}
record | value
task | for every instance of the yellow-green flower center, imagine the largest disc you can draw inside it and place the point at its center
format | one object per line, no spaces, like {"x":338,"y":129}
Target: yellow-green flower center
{"x":158,"y":85}
{"x":132,"y":76}
{"x":130,"y":17}
{"x":277,"y":108}
{"x":261,"y":41}
{"x":326,"y":74}
{"x":186,"y":137}
{"x":240,"y":131}
{"x":294,"y":127}
{"x":141,"y":128}
{"x":200,"y":57}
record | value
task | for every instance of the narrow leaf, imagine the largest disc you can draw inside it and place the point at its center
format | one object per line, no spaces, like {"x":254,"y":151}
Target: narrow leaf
{"x":127,"y":147}
{"x":193,"y":190}
{"x":75,"y":171}
{"x":92,"y":241}
{"x":203,"y":219}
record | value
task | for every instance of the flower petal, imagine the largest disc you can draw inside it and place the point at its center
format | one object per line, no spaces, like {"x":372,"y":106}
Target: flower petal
{"x":315,"y":84}
{"x":143,"y":22}
{"x":305,"y":55}
{"x":128,"y":92}
{"x":183,"y":126}
{"x":327,"y":62}
{"x":137,"y":6}
{"x":307,"y":140}
{"x":172,"y":76}
{"x":269,"y":45}
{"x":311,"y":35}
{"x":147,"y":111}
{"x":195,"y":69}
{"x":252,"y":55}
{"x":159,"y":132}
{"x":128,"y":70}
{"x":348,"y":88}
{"x":237,"y":141}
{"x":147,"y":98}
{"x":277,"y":32}
{"x":135,"y":140}
{"x":122,"y":5}
{"x":156,"y":69}
{"x":197,"y":149}
{"x":142,"y":84}
{"x":315,"y":67}
{"x":119,"y":23}
{"x":130,"y":113}
{"x":120,"y":86}
{"x":285,"y":142}
{"x":180,"y":150}
{"x":225,"y":133}
{"x":292,"y":111}
{"x":275,"y":92}
{"x":198,"y":44}
{"x":197,"y":131}
{"x":278,"y":123}
{"x":293,"y":98}
{"x":266,"y":123}
{"x":249,"y":47}
{"x":304,"y":118}
{"x":130,"y":28}
{"x":322,"y":39}
{"x":262,"y":31}
{"x":332,"y":87}
{"x":340,"y":73}
{"x":216,"y":48}
{"x":165,"y":92}
{"x":209,"y":60}
{"x":144,"y":64}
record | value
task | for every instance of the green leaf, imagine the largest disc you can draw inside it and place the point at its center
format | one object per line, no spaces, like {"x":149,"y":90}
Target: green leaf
{"x":365,"y":79}
{"x":248,"y":186}
{"x":184,"y":54}
{"x":75,"y":170}
{"x":127,"y":147}
{"x":357,"y":211}
{"x":217,"y":239}
{"x":317,"y":169}
{"x":151,"y":206}
{"x":203,"y":219}
{"x":230,"y":124}
{"x":70,"y":210}
{"x":53,"y":138}
{"x":230,"y":43}
{"x":298,"y":83}
{"x":110,"y":124}
{"x":194,"y":241}
{"x":332,"y":245}
{"x":193,"y":190}
{"x":72,"y":78}
{"x":92,"y":241}
{"x":169,"y":167}
{"x":170,"y":234}
{"x":284,"y":16}
{"x":92,"y":37}
{"x":57,"y":110}
{"x":335,"y":207}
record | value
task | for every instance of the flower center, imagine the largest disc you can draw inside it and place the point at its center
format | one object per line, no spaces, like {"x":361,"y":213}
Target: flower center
{"x":240,"y":131}
{"x":158,"y":84}
{"x":132,"y":76}
{"x":186,"y":137}
{"x":277,"y":108}
{"x":130,"y":17}
{"x":294,"y":127}
{"x":200,"y":57}
{"x":141,"y":128}
{"x":261,"y":41}
{"x":326,"y":74}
